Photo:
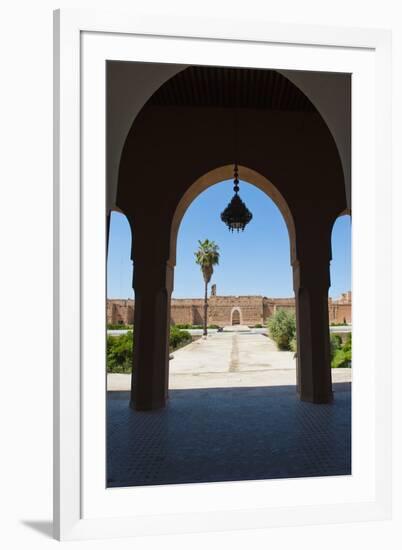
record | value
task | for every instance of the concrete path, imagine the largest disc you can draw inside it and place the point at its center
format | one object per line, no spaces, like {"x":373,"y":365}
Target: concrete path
{"x":229,"y":359}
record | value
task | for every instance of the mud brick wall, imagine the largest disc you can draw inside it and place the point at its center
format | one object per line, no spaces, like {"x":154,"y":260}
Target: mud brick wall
{"x":181,"y":315}
{"x":253,"y":309}
{"x":120,"y":312}
{"x":339,"y":313}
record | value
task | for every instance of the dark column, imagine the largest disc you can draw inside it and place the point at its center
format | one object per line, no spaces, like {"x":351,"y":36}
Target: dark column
{"x":153,"y":283}
{"x":311,"y":283}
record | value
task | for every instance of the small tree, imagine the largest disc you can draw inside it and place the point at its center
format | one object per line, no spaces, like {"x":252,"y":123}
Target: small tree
{"x":206,"y":257}
{"x":282,"y":328}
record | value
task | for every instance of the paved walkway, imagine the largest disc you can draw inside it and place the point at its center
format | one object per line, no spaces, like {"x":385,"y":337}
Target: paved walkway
{"x":228,"y":434}
{"x":227,"y":360}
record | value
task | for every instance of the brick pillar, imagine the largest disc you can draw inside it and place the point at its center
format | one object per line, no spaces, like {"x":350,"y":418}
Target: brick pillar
{"x":311,"y":283}
{"x":153,"y":284}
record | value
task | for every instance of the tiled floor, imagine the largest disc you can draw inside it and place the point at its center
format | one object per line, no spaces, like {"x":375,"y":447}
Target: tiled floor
{"x":227,"y":434}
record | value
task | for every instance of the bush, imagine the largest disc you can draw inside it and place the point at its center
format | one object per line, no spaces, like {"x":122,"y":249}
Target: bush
{"x":119,"y":327}
{"x":178,"y":338}
{"x":341,"y":356}
{"x":282,"y":328}
{"x":119,"y":353}
{"x":342,"y":359}
{"x":348,"y":344}
{"x":258,"y":325}
{"x":213,"y":326}
{"x":293,"y":345}
{"x":336,"y":344}
{"x":119,"y":349}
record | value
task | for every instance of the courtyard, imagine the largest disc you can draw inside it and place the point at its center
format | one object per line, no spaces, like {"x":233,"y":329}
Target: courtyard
{"x":242,"y":154}
{"x":237,"y":357}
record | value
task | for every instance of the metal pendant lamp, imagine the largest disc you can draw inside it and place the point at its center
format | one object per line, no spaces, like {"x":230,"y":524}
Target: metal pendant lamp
{"x":236,"y":215}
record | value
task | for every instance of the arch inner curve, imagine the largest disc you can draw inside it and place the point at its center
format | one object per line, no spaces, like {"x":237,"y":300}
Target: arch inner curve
{"x":223,"y":173}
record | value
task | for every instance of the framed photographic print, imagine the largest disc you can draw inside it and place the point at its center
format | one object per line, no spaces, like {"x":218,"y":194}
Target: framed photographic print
{"x":207,"y":269}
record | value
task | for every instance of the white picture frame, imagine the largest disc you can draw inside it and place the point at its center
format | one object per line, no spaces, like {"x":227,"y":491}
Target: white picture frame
{"x":83,"y":507}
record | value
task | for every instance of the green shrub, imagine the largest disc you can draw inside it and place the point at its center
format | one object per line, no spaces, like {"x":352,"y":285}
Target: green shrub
{"x":293,"y":345}
{"x":213,"y":326}
{"x":348,"y":344}
{"x":335,"y":343}
{"x":178,"y":338}
{"x":342,"y":359}
{"x":258,"y":325}
{"x":119,"y":326}
{"x":183,"y":325}
{"x":341,"y":356}
{"x":282,"y":328}
{"x":119,"y":349}
{"x":119,"y":353}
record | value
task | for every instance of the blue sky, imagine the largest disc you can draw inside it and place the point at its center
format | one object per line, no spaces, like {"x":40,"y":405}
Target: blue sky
{"x":256,"y":261}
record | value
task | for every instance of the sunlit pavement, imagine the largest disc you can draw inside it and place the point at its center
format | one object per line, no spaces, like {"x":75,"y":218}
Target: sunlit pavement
{"x":229,"y":359}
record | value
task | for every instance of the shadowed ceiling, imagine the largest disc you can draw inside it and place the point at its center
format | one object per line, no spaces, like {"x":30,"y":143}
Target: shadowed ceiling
{"x":199,"y":86}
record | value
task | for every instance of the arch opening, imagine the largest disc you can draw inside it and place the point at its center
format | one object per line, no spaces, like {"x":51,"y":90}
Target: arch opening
{"x":119,"y":264}
{"x":340,"y":292}
{"x":224,"y":173}
{"x":253,"y":264}
{"x":236,"y":316}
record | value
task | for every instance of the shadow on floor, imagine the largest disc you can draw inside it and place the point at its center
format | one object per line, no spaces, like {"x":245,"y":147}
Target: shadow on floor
{"x":228,"y":434}
{"x":42,"y":527}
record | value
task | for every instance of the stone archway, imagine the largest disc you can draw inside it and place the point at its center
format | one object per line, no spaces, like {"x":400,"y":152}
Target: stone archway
{"x":177,"y":148}
{"x":146,"y":78}
{"x":236,"y":316}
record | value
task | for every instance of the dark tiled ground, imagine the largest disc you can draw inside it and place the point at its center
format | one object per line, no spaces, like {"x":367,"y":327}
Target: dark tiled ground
{"x":227,"y":434}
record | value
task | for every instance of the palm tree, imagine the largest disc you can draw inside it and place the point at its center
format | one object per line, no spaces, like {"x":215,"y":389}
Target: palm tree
{"x":206,"y":257}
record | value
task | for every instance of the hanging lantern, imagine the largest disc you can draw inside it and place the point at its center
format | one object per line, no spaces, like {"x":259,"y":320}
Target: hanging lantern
{"x":236,"y":215}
